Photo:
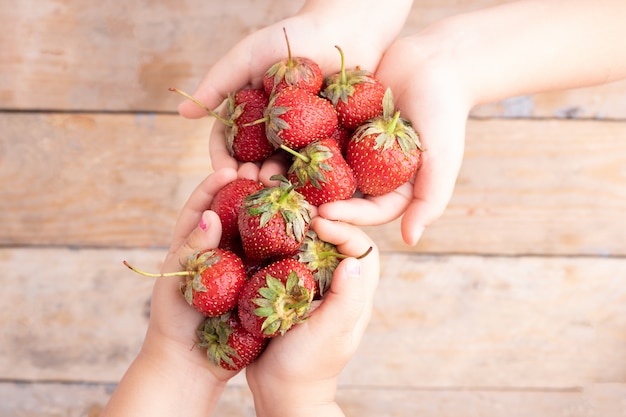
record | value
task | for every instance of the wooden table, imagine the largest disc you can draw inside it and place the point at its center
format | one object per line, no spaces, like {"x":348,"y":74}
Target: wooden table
{"x":513,"y":304}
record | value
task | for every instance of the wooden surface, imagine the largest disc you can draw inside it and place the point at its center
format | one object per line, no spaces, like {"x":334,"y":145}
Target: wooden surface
{"x":513,"y":304}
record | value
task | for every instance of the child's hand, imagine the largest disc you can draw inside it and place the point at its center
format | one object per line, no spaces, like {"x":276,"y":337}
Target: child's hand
{"x":299,"y":371}
{"x":426,"y":94}
{"x":313,"y":33}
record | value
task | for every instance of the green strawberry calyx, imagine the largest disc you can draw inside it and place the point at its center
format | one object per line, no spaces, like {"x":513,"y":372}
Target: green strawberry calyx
{"x":390,"y":128}
{"x":292,"y":69}
{"x":340,"y":86}
{"x":282,"y":199}
{"x":214,"y":334}
{"x":282,"y":304}
{"x":310,"y":163}
{"x":322,"y":258}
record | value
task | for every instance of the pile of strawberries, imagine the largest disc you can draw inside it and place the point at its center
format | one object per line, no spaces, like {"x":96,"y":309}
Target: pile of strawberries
{"x":344,"y":136}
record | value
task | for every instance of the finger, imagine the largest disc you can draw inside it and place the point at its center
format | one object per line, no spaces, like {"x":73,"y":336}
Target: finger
{"x":276,"y":164}
{"x":433,"y":188}
{"x":218,"y":150}
{"x":205,"y":235}
{"x":352,"y":242}
{"x":199,"y":201}
{"x":248,"y":170}
{"x":232,"y":72}
{"x":369,"y":210}
{"x":347,"y":298}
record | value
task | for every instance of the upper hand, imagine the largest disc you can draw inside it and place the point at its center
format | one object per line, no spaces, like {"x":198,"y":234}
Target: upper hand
{"x":428,"y":93}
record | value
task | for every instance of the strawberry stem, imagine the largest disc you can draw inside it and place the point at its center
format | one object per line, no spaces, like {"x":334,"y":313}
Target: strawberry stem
{"x":200,"y":104}
{"x":394,"y":122}
{"x":344,"y":79}
{"x":153,"y":275}
{"x":295,"y":153}
{"x":290,"y":62}
{"x":255,"y":122}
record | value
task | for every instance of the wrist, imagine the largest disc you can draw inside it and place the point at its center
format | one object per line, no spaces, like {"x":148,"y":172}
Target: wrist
{"x":287,"y":399}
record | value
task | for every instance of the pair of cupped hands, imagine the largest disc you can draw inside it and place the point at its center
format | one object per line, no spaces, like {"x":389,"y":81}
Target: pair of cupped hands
{"x":309,"y":358}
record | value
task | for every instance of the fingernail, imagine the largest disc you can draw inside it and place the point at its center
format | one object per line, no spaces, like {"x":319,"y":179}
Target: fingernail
{"x":353,"y":268}
{"x":202,"y":225}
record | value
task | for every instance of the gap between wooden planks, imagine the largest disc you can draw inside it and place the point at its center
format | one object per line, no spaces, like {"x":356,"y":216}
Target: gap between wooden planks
{"x":542,"y":187}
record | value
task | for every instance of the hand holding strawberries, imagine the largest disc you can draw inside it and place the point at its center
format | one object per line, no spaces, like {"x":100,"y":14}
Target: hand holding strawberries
{"x":299,"y":370}
{"x":312,"y":34}
{"x":168,"y":367}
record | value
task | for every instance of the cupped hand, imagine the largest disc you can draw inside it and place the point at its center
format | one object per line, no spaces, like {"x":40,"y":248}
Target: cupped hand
{"x":313,"y":33}
{"x":428,"y":92}
{"x":301,"y":367}
{"x":173,"y":322}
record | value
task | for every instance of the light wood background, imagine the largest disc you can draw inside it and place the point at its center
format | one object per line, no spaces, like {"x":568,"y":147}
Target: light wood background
{"x":513,"y":304}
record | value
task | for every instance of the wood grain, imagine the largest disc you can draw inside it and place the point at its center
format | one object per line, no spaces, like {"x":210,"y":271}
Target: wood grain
{"x":439,"y":321}
{"x":526,"y":186}
{"x":86,"y":400}
{"x":103,"y":56}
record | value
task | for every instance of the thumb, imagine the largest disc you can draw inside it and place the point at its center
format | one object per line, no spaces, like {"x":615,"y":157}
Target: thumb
{"x":205,"y":235}
{"x":348,"y":299}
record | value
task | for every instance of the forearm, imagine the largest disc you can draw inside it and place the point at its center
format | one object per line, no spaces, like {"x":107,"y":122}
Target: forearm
{"x":163,"y":385}
{"x":529,"y":46}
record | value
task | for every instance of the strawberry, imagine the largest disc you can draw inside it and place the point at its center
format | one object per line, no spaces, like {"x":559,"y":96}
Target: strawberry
{"x":245,"y":134}
{"x":228,"y":345}
{"x":227,"y":203}
{"x":321,"y":258}
{"x":356,"y":94}
{"x":384,"y":152}
{"x":247,"y":142}
{"x":293,"y":71}
{"x":295,"y":117}
{"x":276,"y":298}
{"x":342,"y":136}
{"x":273,"y":221}
{"x":320,"y":172}
{"x":214,"y":278}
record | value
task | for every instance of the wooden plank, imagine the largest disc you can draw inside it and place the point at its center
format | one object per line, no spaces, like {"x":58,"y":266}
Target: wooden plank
{"x":606,"y":400}
{"x":123,"y":57}
{"x":438,"y":322}
{"x":533,"y":187}
{"x":97,"y":179}
{"x":117,"y":56}
{"x":526,"y":186}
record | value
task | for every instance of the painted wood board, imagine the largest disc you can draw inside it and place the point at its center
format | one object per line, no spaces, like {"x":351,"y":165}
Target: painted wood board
{"x":93,"y":56}
{"x":438,"y":322}
{"x":526,"y":186}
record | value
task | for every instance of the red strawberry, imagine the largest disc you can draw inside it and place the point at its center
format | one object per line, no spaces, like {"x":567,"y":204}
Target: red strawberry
{"x":214,"y":278}
{"x":356,"y":94}
{"x":247,"y":141}
{"x":293,"y":71}
{"x":227,"y":203}
{"x":273,"y":221}
{"x":228,"y":345}
{"x":295,"y":118}
{"x":385,"y":152}
{"x":245,"y":133}
{"x":320,"y":173}
{"x":276,"y":298}
{"x":321,"y":258}
{"x":342,"y":136}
